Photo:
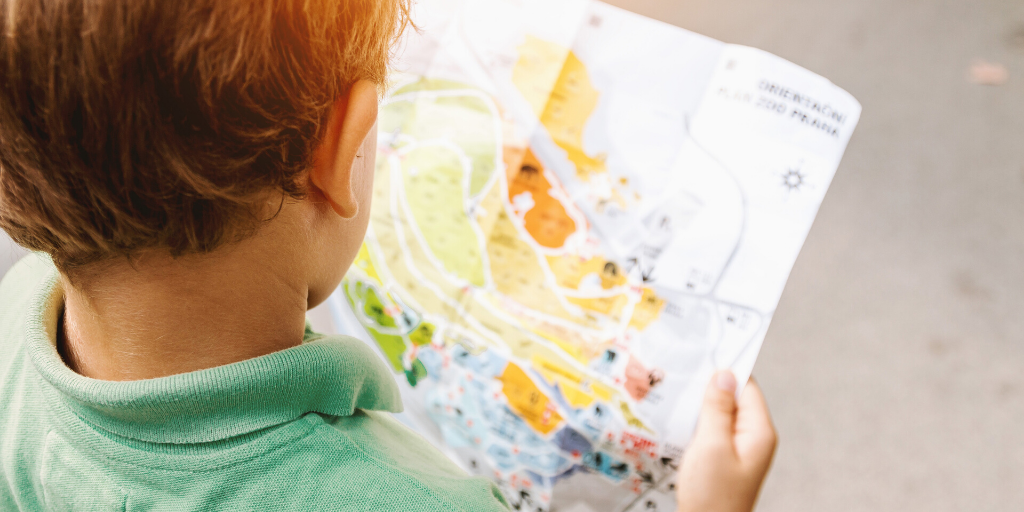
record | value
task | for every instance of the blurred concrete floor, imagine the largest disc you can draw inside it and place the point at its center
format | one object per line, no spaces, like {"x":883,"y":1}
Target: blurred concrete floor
{"x":895,"y":364}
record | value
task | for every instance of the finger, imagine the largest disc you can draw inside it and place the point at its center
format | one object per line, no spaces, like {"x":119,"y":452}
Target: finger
{"x":718,"y":413}
{"x":755,"y":433}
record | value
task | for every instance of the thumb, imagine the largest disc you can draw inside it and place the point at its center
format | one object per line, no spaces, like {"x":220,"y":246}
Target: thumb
{"x":718,"y":414}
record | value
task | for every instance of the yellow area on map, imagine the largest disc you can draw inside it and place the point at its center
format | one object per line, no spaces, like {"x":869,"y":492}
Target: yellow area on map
{"x":556,"y":84}
{"x":561,"y":338}
{"x":433,"y":184}
{"x":364,"y":263}
{"x":537,"y":70}
{"x":526,"y":399}
{"x":516,"y":270}
{"x":426,"y":110}
{"x":570,"y":270}
{"x":647,"y":310}
{"x":571,"y":382}
{"x":631,"y":418}
{"x":611,"y":306}
{"x":409,"y":263}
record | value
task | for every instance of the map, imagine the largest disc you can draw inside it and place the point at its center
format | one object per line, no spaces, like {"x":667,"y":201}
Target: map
{"x":578,"y":215}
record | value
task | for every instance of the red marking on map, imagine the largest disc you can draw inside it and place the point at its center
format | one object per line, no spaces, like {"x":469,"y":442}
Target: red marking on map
{"x":637,"y":445}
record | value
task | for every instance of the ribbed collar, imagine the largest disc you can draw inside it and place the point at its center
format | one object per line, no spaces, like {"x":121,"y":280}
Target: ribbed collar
{"x":330,"y":375}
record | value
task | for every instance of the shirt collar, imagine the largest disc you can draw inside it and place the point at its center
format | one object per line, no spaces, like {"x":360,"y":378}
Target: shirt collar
{"x":332,"y":375}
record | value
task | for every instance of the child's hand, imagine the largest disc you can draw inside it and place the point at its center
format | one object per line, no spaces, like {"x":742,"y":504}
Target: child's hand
{"x":731,"y":450}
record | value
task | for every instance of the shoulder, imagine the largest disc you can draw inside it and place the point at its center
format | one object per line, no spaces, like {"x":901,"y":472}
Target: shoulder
{"x":18,"y":288}
{"x":21,"y":417}
{"x":21,"y":282}
{"x":389,"y":467}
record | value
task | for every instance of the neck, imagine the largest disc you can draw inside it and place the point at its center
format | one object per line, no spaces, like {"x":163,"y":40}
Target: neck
{"x":162,"y":316}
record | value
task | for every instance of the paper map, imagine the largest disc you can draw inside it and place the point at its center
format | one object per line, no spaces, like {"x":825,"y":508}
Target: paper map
{"x":578,"y":215}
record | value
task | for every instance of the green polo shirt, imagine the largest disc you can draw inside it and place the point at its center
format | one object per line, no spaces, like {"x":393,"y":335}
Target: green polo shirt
{"x":307,"y":428}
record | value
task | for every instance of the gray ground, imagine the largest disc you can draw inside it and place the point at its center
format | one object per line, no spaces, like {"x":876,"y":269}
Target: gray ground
{"x":895,"y":363}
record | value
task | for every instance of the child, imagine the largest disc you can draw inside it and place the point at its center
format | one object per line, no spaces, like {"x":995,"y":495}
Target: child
{"x":198,"y":174}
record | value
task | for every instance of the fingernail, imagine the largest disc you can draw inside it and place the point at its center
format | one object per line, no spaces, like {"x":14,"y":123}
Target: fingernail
{"x":726,"y":381}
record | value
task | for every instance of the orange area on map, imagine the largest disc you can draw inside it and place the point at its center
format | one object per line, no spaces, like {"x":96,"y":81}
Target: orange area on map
{"x":526,"y":399}
{"x":547,"y":221}
{"x":640,"y":379}
{"x":647,"y":310}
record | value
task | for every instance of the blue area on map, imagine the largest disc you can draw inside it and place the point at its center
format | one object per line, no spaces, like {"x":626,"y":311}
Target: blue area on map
{"x":604,"y":463}
{"x":433,"y":361}
{"x":487,"y":364}
{"x":593,"y":420}
{"x":470,"y":410}
{"x":546,"y":462}
{"x":501,"y":457}
{"x":571,"y":441}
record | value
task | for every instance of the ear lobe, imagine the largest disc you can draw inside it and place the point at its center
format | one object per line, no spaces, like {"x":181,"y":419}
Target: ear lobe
{"x":334,"y":164}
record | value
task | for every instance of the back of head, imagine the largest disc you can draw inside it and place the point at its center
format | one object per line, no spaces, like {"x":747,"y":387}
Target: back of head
{"x":128,"y":125}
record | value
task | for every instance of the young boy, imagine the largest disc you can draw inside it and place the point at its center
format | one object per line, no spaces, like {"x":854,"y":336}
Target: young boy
{"x":196,"y":174}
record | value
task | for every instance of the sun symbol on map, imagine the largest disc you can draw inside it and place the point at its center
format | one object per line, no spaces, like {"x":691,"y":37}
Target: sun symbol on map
{"x":793,"y":180}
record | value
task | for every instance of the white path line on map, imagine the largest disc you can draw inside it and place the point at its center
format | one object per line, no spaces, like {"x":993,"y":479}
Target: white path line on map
{"x":743,"y":196}
{"x":538,"y":317}
{"x":414,"y":227}
{"x":407,"y":257}
{"x":467,"y":167}
{"x":736,"y":248}
{"x":495,"y":118}
{"x":467,"y":203}
{"x":440,"y":93}
{"x":499,"y":170}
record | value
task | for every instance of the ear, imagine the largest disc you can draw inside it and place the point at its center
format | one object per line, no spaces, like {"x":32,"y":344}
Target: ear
{"x":334,"y":161}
